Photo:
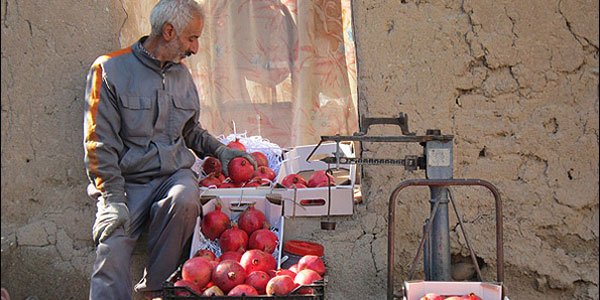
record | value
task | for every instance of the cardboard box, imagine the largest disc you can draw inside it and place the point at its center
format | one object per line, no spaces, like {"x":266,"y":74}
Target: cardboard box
{"x":233,"y":206}
{"x":414,"y":290}
{"x":315,"y":201}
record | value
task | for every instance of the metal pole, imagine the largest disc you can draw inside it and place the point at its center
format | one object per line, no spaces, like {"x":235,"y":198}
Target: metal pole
{"x":439,"y":240}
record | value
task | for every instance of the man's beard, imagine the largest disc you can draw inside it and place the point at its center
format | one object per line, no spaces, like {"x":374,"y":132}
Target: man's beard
{"x":177,"y":51}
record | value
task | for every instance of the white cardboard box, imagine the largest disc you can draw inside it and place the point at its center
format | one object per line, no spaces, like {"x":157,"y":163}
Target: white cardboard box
{"x":416,"y":289}
{"x":315,"y":201}
{"x":232,"y":206}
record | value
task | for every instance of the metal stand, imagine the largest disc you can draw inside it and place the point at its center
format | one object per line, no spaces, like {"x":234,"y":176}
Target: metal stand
{"x":439,"y":263}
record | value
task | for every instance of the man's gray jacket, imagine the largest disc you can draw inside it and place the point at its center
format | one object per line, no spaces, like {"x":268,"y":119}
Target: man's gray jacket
{"x":140,"y":120}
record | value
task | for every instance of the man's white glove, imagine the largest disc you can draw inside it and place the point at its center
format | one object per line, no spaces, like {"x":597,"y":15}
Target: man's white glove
{"x":226,"y":154}
{"x":109,"y":217}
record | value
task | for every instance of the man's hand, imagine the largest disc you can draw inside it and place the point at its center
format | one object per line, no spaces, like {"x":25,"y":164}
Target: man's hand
{"x":109,"y":217}
{"x":226,"y":154}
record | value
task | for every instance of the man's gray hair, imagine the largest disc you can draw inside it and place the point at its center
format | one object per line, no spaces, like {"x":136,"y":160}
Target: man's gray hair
{"x":177,"y":12}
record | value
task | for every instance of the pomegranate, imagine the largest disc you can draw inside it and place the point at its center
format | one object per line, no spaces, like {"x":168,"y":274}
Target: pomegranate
{"x":261,"y":159}
{"x":233,"y":255}
{"x":213,"y":291}
{"x":258,"y":280}
{"x":221,"y":177}
{"x":265,"y":172}
{"x":280,"y":285}
{"x":226,"y":185}
{"x":294,"y":268}
{"x":251,"y":184}
{"x":473,"y":296}
{"x":228,"y":274}
{"x":212,"y":165}
{"x":260,"y":180}
{"x":304,"y":277}
{"x":312,"y":262}
{"x":278,"y":272}
{"x":321,"y":178}
{"x":236,"y":145}
{"x":233,"y":239}
{"x":251,"y":220}
{"x":206,"y":254}
{"x":214,"y":223}
{"x":183,"y":292}
{"x":196,"y":270}
{"x":293,"y":179}
{"x":210,"y":180}
{"x":431,"y":296}
{"x":240,"y":170}
{"x":243,"y":290}
{"x":263,"y":239}
{"x":257,"y":260}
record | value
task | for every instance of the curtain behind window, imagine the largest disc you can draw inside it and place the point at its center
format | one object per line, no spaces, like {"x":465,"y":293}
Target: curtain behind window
{"x":284,"y":70}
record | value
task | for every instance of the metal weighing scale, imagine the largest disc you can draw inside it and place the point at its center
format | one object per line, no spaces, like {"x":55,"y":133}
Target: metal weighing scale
{"x":437,"y":161}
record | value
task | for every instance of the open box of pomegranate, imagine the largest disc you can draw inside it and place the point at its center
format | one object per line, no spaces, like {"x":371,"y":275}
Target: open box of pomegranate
{"x":416,"y":289}
{"x":314,"y":201}
{"x":251,"y":263}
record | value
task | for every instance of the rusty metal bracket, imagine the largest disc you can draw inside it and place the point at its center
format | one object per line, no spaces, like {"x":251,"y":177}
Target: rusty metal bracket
{"x":401,"y":121}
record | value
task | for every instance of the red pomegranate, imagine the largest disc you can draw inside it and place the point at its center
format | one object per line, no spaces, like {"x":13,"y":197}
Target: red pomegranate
{"x":263,"y":239}
{"x":294,"y":268}
{"x":251,"y":183}
{"x":265,"y":172}
{"x":210,"y":180}
{"x":226,"y":185}
{"x":294,"y":179}
{"x":213,"y":291}
{"x":261,"y":159}
{"x":214,"y":223}
{"x":321,"y":178}
{"x":260,"y":180}
{"x":196,"y":270}
{"x":243,"y":289}
{"x":251,"y":220}
{"x":280,"y":285}
{"x":257,"y":260}
{"x":182,"y":292}
{"x":431,"y":296}
{"x":233,"y":255}
{"x":312,"y":262}
{"x":206,"y":254}
{"x":236,"y":145}
{"x":279,"y":272}
{"x":304,"y":277}
{"x":233,"y":239}
{"x":228,"y":274}
{"x":258,"y":280}
{"x":471,"y":296}
{"x":240,"y":170}
{"x":212,"y":165}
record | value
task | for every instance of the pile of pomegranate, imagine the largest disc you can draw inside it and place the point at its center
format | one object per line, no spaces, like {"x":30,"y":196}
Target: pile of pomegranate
{"x":317,"y":179}
{"x":433,"y":296}
{"x":246,"y":265}
{"x":241,"y":171}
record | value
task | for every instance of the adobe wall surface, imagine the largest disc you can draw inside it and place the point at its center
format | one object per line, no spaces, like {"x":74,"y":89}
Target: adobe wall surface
{"x":515,"y":83}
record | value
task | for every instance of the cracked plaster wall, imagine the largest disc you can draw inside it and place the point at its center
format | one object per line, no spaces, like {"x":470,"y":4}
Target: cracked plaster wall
{"x":515,"y":82}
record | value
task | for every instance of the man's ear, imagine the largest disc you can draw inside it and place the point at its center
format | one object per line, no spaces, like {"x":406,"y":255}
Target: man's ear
{"x":168,"y":32}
